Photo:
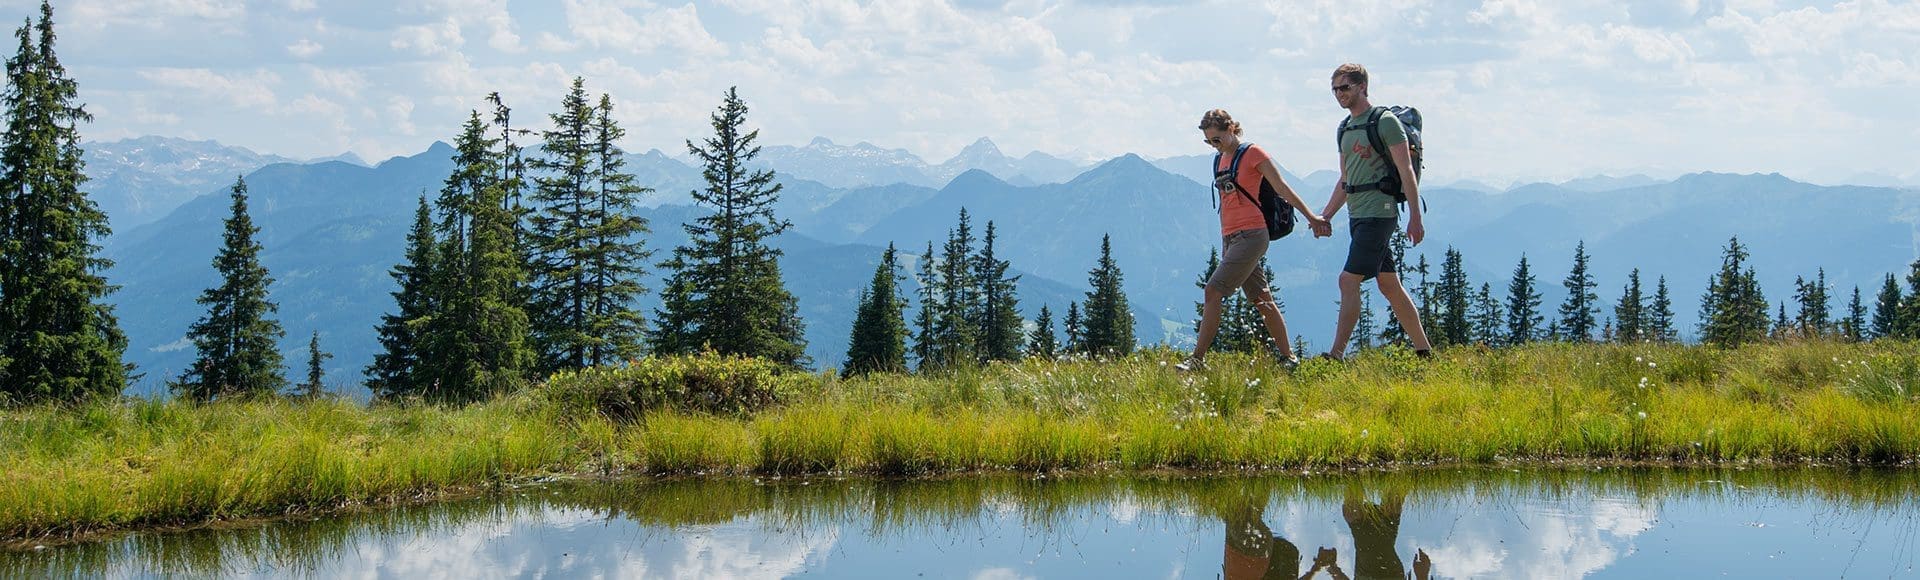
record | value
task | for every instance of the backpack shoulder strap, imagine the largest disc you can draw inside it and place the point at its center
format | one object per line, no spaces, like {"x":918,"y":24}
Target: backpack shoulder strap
{"x":1373,"y":136}
{"x":1235,"y":168}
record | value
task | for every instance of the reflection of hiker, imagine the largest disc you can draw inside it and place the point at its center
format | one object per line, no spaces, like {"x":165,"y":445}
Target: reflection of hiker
{"x":1239,"y":171}
{"x":1253,"y":551}
{"x":1374,"y":528}
{"x":1369,"y":182}
{"x":1328,"y":560}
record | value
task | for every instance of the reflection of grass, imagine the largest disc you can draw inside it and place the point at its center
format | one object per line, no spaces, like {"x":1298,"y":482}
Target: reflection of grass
{"x":136,"y":464}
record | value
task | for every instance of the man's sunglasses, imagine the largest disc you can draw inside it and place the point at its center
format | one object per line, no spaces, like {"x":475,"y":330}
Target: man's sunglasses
{"x":1343,"y":88}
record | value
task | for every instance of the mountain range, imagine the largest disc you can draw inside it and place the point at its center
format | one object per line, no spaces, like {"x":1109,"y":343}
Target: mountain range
{"x":333,"y":229}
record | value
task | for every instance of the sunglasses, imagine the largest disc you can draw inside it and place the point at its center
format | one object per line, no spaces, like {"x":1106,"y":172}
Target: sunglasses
{"x":1215,"y":140}
{"x":1343,"y":88}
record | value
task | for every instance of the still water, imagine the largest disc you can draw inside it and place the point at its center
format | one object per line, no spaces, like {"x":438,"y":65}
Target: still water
{"x":1617,"y":523}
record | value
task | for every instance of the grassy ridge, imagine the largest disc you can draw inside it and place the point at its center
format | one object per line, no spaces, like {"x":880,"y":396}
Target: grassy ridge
{"x":145,"y":463}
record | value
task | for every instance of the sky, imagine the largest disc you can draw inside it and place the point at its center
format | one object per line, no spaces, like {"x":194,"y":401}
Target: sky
{"x":1511,"y":90}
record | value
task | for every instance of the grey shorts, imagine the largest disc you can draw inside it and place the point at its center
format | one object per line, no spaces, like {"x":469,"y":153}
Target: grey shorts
{"x":1240,"y":263}
{"x":1371,"y":252}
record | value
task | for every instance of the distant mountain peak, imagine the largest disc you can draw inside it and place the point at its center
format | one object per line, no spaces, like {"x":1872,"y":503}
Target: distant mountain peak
{"x":980,"y":148}
{"x":976,"y":178}
{"x":820,"y":143}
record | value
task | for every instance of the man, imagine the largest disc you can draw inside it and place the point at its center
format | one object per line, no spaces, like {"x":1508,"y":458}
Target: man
{"x":1373,"y":214}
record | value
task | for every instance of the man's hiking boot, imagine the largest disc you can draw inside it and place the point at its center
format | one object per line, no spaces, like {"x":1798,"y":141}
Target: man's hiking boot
{"x":1423,"y":353}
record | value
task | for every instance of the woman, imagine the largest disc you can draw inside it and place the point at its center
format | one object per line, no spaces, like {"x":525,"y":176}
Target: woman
{"x":1243,"y":234}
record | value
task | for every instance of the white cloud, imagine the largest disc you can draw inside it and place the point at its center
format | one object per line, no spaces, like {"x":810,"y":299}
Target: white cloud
{"x":250,"y":89}
{"x":305,"y":49}
{"x":442,"y":37}
{"x":609,"y":24}
{"x":346,"y":82}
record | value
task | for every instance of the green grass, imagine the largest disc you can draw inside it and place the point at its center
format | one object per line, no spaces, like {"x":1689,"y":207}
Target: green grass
{"x":136,"y":463}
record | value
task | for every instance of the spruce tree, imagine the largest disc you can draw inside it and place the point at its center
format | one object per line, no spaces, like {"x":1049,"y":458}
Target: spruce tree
{"x":1886,"y":310}
{"x":589,"y":255}
{"x":59,"y":338}
{"x":925,"y":339}
{"x":1392,"y":333}
{"x":1733,"y":311}
{"x":1453,"y":299}
{"x":957,"y":323}
{"x":237,"y":340}
{"x":1629,"y":315}
{"x":1782,"y":328}
{"x":395,"y":370}
{"x":474,"y":343}
{"x":879,"y":341}
{"x":1364,"y":329}
{"x":731,"y":297}
{"x":999,"y":321}
{"x":1577,"y":314}
{"x":1524,"y":318}
{"x":1909,"y":313}
{"x":1815,"y":317}
{"x":1108,"y":319}
{"x":1423,"y":293}
{"x":1488,"y":320}
{"x":1659,"y":317}
{"x":316,"y":374}
{"x":1041,"y":343}
{"x":1076,"y":331}
{"x":1854,"y":326}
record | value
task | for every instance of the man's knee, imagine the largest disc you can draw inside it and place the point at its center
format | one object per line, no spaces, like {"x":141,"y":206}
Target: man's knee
{"x":1350,"y":283}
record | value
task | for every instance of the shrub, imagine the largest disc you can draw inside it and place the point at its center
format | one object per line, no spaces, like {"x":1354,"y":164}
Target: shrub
{"x":705,"y":383}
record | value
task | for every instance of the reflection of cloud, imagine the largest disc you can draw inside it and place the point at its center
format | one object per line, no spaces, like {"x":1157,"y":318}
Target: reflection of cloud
{"x":748,"y":553}
{"x":1526,"y":537}
{"x":998,"y":574}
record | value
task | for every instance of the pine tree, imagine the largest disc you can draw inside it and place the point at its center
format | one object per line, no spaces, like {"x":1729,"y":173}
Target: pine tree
{"x":1363,"y":330}
{"x":730,"y":295}
{"x":474,"y":342}
{"x":1629,"y":315}
{"x":999,"y":325}
{"x":1854,"y":326}
{"x":1578,"y":312}
{"x":879,"y":341}
{"x":1041,"y":343}
{"x":957,"y":322}
{"x":59,"y":338}
{"x":1782,"y":328}
{"x":586,"y":240}
{"x":237,"y":340}
{"x":1392,"y":333}
{"x":925,"y":341}
{"x":1076,"y":331}
{"x":1108,"y":320}
{"x":1488,"y":320}
{"x":1909,"y":313}
{"x":1453,"y":299}
{"x":1660,"y":326}
{"x":1886,"y":310}
{"x":316,"y":375}
{"x":1733,"y":311}
{"x":1815,"y":317}
{"x":395,"y":371}
{"x":1524,"y":318}
{"x":1423,"y":293}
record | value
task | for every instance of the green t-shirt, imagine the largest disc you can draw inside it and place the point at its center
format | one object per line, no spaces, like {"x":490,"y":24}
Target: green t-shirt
{"x":1361,"y":165}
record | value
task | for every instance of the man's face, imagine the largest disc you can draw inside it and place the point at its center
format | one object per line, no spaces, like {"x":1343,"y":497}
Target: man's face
{"x":1220,"y":139}
{"x":1346,"y":92}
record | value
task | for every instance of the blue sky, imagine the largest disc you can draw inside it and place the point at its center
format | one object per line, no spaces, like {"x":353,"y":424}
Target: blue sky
{"x":1511,"y":89}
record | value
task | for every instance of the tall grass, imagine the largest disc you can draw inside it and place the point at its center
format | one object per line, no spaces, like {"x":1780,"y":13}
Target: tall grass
{"x":144,"y":463}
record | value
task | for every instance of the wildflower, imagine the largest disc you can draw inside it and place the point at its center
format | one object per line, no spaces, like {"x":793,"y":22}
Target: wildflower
{"x":1643,"y":415}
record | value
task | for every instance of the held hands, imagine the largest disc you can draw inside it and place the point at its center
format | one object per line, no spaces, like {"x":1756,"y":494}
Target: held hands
{"x":1322,"y":227}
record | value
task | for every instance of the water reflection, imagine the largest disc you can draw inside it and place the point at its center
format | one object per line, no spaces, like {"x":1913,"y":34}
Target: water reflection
{"x":1554,"y":524}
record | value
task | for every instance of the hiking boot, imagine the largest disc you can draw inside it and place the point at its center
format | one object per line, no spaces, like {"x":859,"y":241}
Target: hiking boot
{"x":1329,"y":357}
{"x":1423,"y":353}
{"x":1190,"y":365}
{"x":1290,"y":363}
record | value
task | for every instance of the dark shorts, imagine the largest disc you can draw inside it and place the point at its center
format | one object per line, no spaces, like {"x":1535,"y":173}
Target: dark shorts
{"x":1371,"y":253}
{"x":1239,"y":267}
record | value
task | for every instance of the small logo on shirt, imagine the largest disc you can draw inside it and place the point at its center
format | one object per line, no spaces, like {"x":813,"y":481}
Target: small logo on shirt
{"x":1363,"y":151}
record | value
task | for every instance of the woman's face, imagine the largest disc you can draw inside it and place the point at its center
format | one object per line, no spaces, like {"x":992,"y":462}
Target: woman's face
{"x":1220,"y":139}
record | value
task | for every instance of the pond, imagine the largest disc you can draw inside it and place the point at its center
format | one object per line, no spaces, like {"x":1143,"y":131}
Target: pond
{"x":1563,"y":523}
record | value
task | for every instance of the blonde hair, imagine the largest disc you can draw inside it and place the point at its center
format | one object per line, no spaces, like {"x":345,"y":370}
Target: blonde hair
{"x":1354,"y":72}
{"x":1219,"y":120}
